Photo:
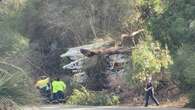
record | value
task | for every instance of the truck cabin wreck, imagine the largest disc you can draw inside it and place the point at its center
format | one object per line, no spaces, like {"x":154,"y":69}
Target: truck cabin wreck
{"x":81,"y":60}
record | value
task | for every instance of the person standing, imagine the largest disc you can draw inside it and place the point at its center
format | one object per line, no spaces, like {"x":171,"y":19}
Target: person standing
{"x":150,"y":92}
{"x":58,"y":89}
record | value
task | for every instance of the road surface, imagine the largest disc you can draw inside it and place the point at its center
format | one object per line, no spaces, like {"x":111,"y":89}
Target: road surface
{"x":62,"y":107}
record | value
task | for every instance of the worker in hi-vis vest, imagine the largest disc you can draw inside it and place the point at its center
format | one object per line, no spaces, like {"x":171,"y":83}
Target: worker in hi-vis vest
{"x":58,"y":90}
{"x":43,"y":85}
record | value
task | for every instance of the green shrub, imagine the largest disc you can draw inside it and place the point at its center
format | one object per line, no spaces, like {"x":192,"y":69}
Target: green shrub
{"x":184,"y":66}
{"x":12,"y":41}
{"x":15,"y":86}
{"x":84,"y":97}
{"x":147,"y":59}
{"x":183,"y":70}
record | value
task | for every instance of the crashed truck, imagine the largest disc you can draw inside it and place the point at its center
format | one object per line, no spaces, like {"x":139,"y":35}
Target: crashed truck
{"x":85,"y":56}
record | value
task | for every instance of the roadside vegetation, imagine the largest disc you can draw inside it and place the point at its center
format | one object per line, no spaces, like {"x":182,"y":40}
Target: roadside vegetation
{"x":34,"y":33}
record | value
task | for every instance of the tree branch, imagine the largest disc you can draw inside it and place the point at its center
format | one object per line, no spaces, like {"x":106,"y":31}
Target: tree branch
{"x":109,"y":51}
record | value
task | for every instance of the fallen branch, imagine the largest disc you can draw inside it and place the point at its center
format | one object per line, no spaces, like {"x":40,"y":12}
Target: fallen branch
{"x":130,"y":39}
{"x":132,"y":34}
{"x":112,"y":50}
{"x":109,"y":51}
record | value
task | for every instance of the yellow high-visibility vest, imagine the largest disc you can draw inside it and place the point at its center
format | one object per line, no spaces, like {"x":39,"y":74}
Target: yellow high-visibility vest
{"x":42,"y":83}
{"x":58,"y":86}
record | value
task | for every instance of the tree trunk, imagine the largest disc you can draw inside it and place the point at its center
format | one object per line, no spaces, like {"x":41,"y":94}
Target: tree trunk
{"x":109,"y":51}
{"x":113,"y":50}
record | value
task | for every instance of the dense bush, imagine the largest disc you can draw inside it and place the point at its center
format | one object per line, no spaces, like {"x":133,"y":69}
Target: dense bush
{"x":11,"y":40}
{"x":15,"y":87}
{"x":84,"y":97}
{"x":147,"y":59}
{"x":184,"y":66}
{"x":175,"y":25}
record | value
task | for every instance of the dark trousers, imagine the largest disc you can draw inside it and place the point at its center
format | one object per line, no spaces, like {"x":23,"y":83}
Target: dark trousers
{"x":59,"y":96}
{"x":148,"y":95}
{"x":45,"y":92}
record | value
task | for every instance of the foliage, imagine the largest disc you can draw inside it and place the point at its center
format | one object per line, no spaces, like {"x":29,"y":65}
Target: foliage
{"x":52,"y":26}
{"x":175,"y":26}
{"x":151,"y":6}
{"x":84,"y":97}
{"x":184,"y":66}
{"x":148,"y":59}
{"x":15,"y":85}
{"x":11,"y":40}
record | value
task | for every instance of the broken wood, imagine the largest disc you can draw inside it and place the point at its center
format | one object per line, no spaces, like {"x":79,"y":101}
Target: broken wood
{"x":130,"y":39}
{"x":109,"y":51}
{"x":132,"y":34}
{"x":113,"y":50}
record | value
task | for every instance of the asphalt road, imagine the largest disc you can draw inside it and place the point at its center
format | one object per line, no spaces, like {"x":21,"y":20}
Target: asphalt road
{"x":62,"y":107}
